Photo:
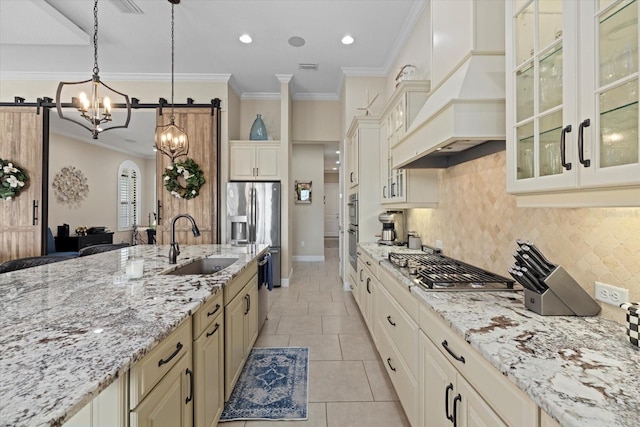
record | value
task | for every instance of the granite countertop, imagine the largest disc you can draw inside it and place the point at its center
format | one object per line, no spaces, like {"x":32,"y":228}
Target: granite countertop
{"x":580,"y":370}
{"x":70,"y":328}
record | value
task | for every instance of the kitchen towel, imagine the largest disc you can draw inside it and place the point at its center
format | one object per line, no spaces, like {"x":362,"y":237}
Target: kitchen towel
{"x":633,"y":318}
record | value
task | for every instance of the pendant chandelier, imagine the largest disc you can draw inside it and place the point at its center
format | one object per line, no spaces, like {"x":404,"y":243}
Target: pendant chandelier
{"x":170,"y":139}
{"x":96,"y":99}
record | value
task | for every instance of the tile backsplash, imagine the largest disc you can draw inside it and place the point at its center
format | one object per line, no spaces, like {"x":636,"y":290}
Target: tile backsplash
{"x":479,"y":223}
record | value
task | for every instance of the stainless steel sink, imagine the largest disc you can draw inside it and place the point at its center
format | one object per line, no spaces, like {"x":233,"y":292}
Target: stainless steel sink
{"x":204,"y":266}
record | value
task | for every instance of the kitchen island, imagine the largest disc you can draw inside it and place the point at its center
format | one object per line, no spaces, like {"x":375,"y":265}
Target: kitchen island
{"x":69,"y":329}
{"x":581,"y":371}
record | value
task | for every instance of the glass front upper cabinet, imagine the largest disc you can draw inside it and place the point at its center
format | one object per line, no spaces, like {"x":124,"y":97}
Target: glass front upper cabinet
{"x":617,"y":83}
{"x":538,"y":76}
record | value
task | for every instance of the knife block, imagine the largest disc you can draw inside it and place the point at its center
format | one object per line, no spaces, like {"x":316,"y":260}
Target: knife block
{"x":564,"y":297}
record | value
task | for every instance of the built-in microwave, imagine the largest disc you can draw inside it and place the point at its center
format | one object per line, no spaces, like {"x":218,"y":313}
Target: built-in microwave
{"x":353,"y":209}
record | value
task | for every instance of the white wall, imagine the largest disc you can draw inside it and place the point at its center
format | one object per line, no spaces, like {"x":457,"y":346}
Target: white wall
{"x":308,"y":219}
{"x":100,"y":167}
{"x":270,"y":111}
{"x":316,"y":121}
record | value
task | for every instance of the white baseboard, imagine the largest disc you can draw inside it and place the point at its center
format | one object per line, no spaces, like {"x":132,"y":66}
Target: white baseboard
{"x":284,"y":283}
{"x":308,"y":258}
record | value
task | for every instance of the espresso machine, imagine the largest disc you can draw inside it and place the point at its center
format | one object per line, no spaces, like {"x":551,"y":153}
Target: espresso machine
{"x":393,"y":228}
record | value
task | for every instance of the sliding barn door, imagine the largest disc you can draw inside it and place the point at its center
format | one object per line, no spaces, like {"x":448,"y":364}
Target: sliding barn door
{"x":201,"y":127}
{"x":21,"y":142}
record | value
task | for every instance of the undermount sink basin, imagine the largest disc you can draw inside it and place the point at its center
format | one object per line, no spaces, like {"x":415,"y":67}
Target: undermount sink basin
{"x":204,"y":266}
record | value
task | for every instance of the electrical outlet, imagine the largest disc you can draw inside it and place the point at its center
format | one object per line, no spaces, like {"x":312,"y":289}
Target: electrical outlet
{"x":611,"y":294}
{"x":439,"y":244}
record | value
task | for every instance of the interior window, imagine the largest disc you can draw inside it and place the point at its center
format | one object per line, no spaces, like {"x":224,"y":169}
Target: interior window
{"x":128,"y":195}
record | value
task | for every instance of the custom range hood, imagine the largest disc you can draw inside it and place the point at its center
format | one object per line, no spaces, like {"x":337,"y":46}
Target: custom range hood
{"x":462,"y":119}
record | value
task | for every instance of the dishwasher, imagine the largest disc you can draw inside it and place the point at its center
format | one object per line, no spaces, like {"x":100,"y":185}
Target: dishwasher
{"x":265,"y":284}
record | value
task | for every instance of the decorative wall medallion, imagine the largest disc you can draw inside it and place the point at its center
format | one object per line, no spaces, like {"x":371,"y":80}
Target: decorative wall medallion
{"x":70,"y":186}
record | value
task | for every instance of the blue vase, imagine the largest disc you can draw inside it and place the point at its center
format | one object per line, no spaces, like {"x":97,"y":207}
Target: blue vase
{"x":258,"y":130}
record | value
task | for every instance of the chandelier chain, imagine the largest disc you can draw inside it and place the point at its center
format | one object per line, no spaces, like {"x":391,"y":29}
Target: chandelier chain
{"x":95,"y":38}
{"x":172,"y":59}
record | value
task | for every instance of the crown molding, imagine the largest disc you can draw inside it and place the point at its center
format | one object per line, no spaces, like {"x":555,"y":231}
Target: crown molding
{"x":135,"y":77}
{"x":316,"y":97}
{"x":412,"y":18}
{"x":261,"y":95}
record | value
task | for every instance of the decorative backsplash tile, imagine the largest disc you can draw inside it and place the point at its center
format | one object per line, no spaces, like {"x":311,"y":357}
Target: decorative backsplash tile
{"x":479,"y":223}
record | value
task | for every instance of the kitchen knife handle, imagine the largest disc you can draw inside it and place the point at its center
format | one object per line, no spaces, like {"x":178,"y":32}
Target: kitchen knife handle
{"x":446,"y":401}
{"x":445,"y":344}
{"x":563,"y":148}
{"x":585,"y":124}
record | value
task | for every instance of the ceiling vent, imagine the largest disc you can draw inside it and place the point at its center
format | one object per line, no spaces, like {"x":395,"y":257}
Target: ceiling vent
{"x":127,"y":6}
{"x":309,"y":67}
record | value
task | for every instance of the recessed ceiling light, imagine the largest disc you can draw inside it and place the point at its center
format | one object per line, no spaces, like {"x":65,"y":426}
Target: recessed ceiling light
{"x":335,"y":169}
{"x":338,"y":162}
{"x":296,"y":41}
{"x":246,"y":38}
{"x":348,"y":39}
{"x":338,"y":152}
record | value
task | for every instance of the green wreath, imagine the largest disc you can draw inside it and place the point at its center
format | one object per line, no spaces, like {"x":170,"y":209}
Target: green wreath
{"x":187,"y":172}
{"x":12,"y":180}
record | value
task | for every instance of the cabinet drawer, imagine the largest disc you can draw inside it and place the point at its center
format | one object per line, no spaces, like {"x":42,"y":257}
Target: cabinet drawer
{"x":403,"y":381}
{"x":507,"y":400}
{"x":232,"y":289}
{"x":401,"y":329}
{"x":368,"y":262}
{"x":145,"y":374}
{"x":400,"y":294}
{"x":206,"y":314}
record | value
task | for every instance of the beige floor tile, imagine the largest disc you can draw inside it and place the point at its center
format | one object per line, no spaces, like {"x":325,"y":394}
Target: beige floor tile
{"x":321,"y":347}
{"x":329,"y":308}
{"x":343,"y":325}
{"x":352,"y":308}
{"x":283,"y":308}
{"x":265,"y":340}
{"x":300,"y":325}
{"x":366,"y":414}
{"x":380,"y":383}
{"x":338,"y":381}
{"x":308,"y":286}
{"x":358,"y":347}
{"x":314,"y":296}
{"x":317,"y":418}
{"x":270,"y":325}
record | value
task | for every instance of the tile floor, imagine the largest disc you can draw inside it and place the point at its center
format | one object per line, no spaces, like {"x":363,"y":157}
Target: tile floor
{"x":348,"y":386}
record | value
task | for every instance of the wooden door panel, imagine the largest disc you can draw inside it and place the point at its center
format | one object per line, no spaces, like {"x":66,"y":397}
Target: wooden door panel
{"x":21,"y":142}
{"x":201,"y":128}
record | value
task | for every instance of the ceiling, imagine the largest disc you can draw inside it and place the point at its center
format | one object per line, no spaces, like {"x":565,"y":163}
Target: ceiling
{"x":40,"y":39}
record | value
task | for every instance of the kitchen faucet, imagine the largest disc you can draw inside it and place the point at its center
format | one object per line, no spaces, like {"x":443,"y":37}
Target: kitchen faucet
{"x":174,"y":250}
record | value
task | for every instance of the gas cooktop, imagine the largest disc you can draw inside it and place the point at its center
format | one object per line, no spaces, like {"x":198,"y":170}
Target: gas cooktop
{"x":437,"y":272}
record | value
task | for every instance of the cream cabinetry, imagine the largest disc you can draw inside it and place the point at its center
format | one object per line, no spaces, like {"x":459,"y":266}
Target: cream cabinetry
{"x":567,"y":137}
{"x":353,"y":144}
{"x":367,"y":289}
{"x":241,"y":324}
{"x":456,"y":383}
{"x":161,"y":385}
{"x":107,"y":409}
{"x":404,"y":188}
{"x":254,"y":161}
{"x":547,"y":421}
{"x":208,"y":362}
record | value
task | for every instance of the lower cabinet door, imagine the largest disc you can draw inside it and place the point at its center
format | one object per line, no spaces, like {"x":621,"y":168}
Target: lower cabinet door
{"x":170,"y":403}
{"x":209,"y":374}
{"x":234,"y":341}
{"x":252,"y":316}
{"x":437,"y":388}
{"x":472,"y":410}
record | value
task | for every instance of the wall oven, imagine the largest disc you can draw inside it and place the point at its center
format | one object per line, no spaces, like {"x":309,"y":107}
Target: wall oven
{"x":353,"y":230}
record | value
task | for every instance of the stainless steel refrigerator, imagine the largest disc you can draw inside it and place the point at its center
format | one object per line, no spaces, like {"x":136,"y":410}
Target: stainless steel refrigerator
{"x":253,"y":216}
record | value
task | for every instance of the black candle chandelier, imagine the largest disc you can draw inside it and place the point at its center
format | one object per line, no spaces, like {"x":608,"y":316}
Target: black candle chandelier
{"x":170,"y":139}
{"x":96,"y":99}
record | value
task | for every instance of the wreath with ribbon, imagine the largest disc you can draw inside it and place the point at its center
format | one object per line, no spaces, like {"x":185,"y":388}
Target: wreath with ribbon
{"x":183,"y":179}
{"x":12,"y":180}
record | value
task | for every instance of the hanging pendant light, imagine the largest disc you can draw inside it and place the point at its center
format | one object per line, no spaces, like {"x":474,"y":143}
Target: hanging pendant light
{"x":170,"y":139}
{"x":95,"y":98}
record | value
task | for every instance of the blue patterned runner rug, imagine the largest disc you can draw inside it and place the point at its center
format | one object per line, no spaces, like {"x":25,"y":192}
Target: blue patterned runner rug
{"x":273,"y":385}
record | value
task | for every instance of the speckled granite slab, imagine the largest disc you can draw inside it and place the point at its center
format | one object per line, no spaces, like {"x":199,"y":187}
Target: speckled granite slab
{"x":580,"y":370}
{"x":69,"y":328}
